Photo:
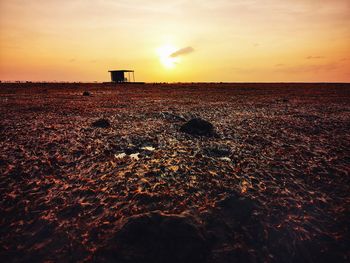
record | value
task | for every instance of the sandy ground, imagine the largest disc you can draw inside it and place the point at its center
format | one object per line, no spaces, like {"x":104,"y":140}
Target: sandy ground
{"x":271,"y":186}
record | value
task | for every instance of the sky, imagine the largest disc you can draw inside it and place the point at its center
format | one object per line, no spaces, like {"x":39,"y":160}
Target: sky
{"x":176,"y":41}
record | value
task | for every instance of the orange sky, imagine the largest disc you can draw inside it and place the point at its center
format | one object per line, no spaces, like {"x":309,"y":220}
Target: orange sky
{"x":243,"y":40}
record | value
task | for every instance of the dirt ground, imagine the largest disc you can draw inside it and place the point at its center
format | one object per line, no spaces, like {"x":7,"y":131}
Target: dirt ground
{"x":272,"y":185}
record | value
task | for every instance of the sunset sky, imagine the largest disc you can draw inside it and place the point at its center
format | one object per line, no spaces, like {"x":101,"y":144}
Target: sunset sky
{"x":178,"y":40}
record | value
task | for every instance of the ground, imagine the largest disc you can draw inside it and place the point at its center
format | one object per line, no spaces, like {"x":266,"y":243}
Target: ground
{"x":271,"y":185}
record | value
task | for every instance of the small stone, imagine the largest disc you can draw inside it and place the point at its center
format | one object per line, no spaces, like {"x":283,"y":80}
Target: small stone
{"x":86,"y":93}
{"x":226,"y":159}
{"x":135,"y":156}
{"x":148,"y":148}
{"x":101,"y":123}
{"x":120,"y":155}
{"x":199,"y":127}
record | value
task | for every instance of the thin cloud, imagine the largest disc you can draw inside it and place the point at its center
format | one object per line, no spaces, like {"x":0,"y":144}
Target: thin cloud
{"x":309,"y":68}
{"x":315,"y":57}
{"x":182,"y":51}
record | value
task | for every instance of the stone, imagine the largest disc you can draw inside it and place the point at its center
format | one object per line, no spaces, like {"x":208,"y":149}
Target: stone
{"x":157,"y":237}
{"x":239,"y":208}
{"x":199,"y":127}
{"x":101,"y":123}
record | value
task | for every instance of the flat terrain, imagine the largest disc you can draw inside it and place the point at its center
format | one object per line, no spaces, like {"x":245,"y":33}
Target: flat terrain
{"x":272,"y":185}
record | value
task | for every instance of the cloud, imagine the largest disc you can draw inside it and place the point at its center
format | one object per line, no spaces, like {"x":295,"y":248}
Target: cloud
{"x":182,"y":51}
{"x":308,"y":68}
{"x":315,"y":57}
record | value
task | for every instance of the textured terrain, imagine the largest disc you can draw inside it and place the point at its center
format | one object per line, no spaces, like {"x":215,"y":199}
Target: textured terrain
{"x":272,"y":185}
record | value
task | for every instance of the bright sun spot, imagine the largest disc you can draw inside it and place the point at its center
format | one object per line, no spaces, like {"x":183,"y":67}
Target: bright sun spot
{"x":164,"y":54}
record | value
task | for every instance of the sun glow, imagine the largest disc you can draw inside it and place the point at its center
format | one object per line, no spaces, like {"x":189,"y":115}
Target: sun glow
{"x":164,"y":53}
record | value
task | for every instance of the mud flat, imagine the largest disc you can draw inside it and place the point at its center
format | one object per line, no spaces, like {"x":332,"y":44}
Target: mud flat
{"x":174,"y":172}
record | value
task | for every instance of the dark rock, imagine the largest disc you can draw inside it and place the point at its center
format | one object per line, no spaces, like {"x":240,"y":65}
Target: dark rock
{"x":198,"y":126}
{"x":156,"y":237}
{"x":131,"y":150}
{"x":86,"y":93}
{"x":101,"y":123}
{"x":238,"y":207}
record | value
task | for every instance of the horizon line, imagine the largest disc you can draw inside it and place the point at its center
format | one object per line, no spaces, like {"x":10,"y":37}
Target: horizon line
{"x":165,"y":82}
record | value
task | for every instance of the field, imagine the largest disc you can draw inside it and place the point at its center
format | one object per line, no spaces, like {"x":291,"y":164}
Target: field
{"x":270,"y":185}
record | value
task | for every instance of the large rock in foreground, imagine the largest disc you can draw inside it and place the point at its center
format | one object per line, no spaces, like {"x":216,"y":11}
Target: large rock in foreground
{"x":199,"y":127}
{"x":237,"y":208}
{"x":157,"y":237}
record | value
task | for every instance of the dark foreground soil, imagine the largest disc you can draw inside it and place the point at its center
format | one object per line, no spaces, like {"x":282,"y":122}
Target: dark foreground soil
{"x":110,"y":175}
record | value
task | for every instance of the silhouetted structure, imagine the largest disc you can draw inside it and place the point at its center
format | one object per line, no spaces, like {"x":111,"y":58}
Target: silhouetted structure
{"x":118,"y":76}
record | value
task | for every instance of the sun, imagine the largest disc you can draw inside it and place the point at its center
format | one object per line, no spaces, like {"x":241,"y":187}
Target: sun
{"x":164,"y":53}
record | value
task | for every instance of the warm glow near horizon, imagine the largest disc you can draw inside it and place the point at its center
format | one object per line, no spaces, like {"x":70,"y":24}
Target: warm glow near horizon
{"x":223,"y":40}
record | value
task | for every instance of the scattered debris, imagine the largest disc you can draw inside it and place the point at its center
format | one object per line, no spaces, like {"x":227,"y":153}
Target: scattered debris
{"x":171,"y":116}
{"x":217,"y":151}
{"x":66,"y":189}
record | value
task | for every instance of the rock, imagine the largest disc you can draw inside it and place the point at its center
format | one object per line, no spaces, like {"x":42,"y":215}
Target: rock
{"x":86,"y":93}
{"x":101,"y":123}
{"x":148,"y":148}
{"x":131,"y":150}
{"x":156,"y":237}
{"x":226,"y":159}
{"x":239,"y":208}
{"x":198,"y":126}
